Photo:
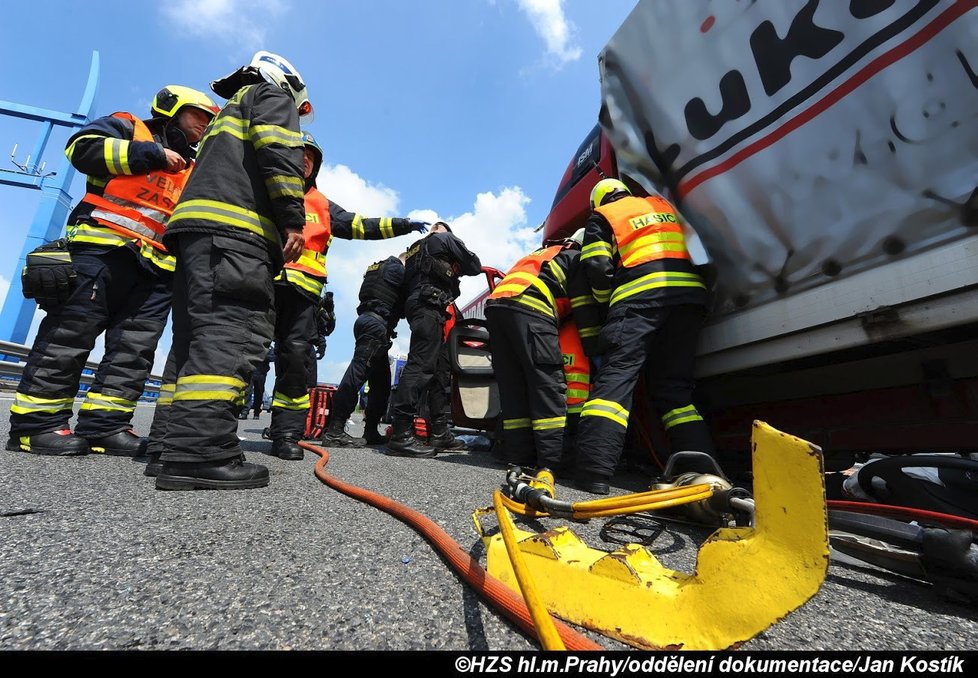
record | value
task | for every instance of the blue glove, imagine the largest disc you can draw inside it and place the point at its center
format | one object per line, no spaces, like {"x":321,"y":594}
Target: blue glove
{"x":419,"y":226}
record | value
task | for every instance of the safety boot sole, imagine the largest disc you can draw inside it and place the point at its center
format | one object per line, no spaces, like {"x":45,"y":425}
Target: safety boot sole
{"x":17,"y":446}
{"x":171,"y":482}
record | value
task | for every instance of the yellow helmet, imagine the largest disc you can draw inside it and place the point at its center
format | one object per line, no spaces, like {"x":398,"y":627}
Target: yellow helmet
{"x":172,"y":98}
{"x":605,"y":189}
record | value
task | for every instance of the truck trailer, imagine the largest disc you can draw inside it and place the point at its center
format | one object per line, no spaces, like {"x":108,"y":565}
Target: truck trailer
{"x":824,"y":157}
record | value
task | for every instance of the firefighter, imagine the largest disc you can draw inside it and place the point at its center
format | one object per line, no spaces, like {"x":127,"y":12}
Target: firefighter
{"x":381,"y":307}
{"x":297,"y":293}
{"x":115,"y":276}
{"x":439,"y":396}
{"x":239,"y":220}
{"x":636,"y":259}
{"x":431,"y":273}
{"x":523,"y":314}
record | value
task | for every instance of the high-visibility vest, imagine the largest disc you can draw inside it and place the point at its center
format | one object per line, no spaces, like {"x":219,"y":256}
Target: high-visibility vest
{"x":577,"y":367}
{"x":139,"y":206}
{"x":526,"y":273}
{"x":646,"y":229}
{"x":308,"y":272}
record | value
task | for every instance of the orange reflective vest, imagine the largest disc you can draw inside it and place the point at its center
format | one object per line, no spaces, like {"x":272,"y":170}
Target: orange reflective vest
{"x":308,"y":272}
{"x":577,"y":367}
{"x":646,"y":229}
{"x":526,"y":273}
{"x":138,"y":206}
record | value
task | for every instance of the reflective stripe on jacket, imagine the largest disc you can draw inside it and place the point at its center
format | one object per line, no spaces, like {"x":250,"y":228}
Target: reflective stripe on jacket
{"x":308,"y":273}
{"x":646,"y":229}
{"x":526,"y":274}
{"x":133,"y":207}
{"x":577,"y":367}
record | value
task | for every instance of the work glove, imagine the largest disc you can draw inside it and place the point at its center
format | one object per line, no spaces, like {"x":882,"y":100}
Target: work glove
{"x":48,"y":276}
{"x":320,"y":348}
{"x":419,"y":226}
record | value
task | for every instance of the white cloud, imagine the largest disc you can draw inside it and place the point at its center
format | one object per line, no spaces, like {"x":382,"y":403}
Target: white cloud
{"x":240,"y":22}
{"x":548,"y":20}
{"x":496,"y":229}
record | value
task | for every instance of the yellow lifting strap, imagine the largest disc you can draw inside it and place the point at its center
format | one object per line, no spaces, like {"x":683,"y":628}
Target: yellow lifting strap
{"x":746,"y":578}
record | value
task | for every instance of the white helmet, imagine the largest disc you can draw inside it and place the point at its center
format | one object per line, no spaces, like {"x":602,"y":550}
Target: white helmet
{"x":281,"y":73}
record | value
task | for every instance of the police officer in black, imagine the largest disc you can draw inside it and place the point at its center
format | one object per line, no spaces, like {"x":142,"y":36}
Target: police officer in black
{"x":433,"y":267}
{"x":381,"y":307}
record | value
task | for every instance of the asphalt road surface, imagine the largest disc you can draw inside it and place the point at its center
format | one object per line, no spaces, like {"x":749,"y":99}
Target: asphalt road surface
{"x":93,"y":557}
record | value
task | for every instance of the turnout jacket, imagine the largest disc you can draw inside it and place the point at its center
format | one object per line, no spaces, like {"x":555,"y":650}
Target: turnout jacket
{"x":551,"y":282}
{"x":326,"y":220}
{"x":121,"y":148}
{"x":248,"y":183}
{"x":635,"y":253}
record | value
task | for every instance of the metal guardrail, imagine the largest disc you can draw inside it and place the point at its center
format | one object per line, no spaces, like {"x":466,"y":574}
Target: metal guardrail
{"x":9,"y":368}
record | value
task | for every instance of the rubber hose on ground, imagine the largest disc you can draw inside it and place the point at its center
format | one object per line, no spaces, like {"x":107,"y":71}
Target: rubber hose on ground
{"x":490,"y":588}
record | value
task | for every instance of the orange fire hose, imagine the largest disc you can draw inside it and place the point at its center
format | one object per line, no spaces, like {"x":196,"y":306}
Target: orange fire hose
{"x":469,"y":569}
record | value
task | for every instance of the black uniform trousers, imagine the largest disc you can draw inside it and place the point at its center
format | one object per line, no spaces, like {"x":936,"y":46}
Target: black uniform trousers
{"x":117,"y":293}
{"x":427,"y":325}
{"x":295,"y":331}
{"x":368,"y":365}
{"x":222,"y":327}
{"x":528,"y":367}
{"x":662,"y":339}
{"x":440,"y":390}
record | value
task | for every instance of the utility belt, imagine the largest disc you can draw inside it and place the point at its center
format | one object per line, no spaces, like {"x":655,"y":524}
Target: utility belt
{"x":434,"y":296}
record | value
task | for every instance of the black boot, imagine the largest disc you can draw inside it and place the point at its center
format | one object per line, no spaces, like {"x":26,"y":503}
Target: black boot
{"x":153,"y":465}
{"x":371,"y":436}
{"x":61,"y":443}
{"x":120,"y":444}
{"x":287,"y":448}
{"x":441,"y":438}
{"x":223,"y":474}
{"x":335,"y":435}
{"x":403,"y":442}
{"x":592,"y":483}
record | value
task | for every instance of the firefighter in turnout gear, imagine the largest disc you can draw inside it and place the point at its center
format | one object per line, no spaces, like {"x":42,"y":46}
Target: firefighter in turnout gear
{"x":381,"y":307}
{"x":239,"y":220}
{"x":119,"y":279}
{"x":297,"y":292}
{"x":431,"y":274}
{"x":523,"y":314}
{"x":636,"y":259}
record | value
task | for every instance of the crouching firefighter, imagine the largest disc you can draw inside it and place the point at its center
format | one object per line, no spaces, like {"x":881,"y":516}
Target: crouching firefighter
{"x":297,"y":293}
{"x":381,"y":307}
{"x":432,"y":270}
{"x":111,"y":275}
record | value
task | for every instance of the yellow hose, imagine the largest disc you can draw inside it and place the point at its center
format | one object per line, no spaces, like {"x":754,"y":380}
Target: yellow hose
{"x":549,"y":638}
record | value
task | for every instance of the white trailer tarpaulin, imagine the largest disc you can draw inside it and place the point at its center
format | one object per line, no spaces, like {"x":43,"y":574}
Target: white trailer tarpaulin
{"x":805,"y":140}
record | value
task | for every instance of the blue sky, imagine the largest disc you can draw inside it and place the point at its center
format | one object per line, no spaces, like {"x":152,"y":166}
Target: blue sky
{"x":465,"y":110}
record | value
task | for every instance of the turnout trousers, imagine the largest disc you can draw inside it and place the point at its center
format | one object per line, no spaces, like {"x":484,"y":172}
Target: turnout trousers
{"x":427,"y":325}
{"x":663,"y":340}
{"x":529,"y":370}
{"x":368,"y":365}
{"x":295,"y":332}
{"x":120,"y":295}
{"x":222,"y":328}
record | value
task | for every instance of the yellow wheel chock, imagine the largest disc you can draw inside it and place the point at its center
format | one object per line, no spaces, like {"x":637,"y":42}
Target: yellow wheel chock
{"x":746,"y":578}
